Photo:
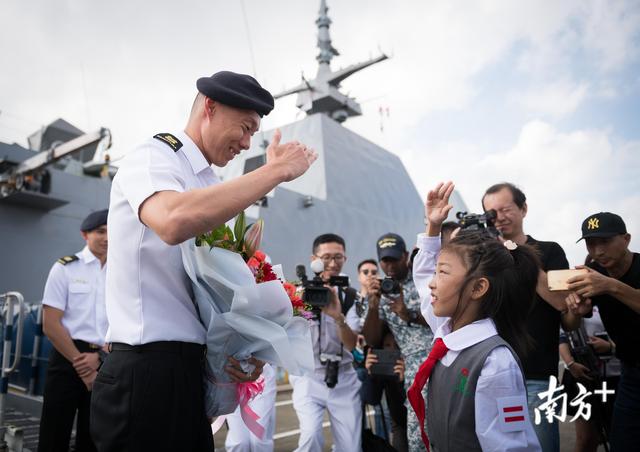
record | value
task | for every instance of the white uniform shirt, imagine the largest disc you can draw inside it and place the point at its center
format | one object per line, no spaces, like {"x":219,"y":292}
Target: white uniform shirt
{"x":326,"y":336}
{"x":77,"y":288}
{"x":149,"y":295}
{"x":501,"y":381}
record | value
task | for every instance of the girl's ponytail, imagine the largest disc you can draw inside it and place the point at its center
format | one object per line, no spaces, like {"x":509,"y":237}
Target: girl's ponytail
{"x":520,"y":281}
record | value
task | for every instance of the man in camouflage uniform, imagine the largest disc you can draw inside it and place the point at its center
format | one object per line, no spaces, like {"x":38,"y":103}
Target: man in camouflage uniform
{"x":401,"y":313}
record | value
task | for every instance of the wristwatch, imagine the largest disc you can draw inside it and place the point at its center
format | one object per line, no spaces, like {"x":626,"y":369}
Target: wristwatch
{"x":413,"y":317}
{"x":568,"y":365}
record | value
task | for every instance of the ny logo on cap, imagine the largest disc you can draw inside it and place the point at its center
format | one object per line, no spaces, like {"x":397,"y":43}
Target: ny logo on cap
{"x":593,"y":223}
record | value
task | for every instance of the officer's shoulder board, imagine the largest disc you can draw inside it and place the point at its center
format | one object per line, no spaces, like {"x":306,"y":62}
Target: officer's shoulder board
{"x":67,"y":259}
{"x":169,"y":140}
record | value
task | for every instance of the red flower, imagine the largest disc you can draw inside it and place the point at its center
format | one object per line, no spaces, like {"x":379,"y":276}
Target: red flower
{"x":260,"y":256}
{"x":267,"y":273}
{"x":465,"y":371}
{"x":253,"y":264}
{"x":290,"y":289}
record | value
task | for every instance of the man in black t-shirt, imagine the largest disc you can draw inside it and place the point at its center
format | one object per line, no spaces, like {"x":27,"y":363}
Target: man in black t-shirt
{"x":549,"y":311}
{"x":613,"y":284}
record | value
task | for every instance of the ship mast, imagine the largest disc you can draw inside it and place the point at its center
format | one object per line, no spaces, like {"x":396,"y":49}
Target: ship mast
{"x":322,"y":94}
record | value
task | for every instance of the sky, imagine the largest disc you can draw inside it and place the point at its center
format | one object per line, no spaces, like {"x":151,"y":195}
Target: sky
{"x":544,"y":94}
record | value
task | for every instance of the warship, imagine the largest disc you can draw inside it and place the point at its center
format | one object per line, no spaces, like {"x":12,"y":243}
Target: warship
{"x":356,"y":189}
{"x":45,"y":192}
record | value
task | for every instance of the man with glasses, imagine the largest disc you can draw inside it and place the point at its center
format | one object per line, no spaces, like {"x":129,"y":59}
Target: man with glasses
{"x":367,"y":273}
{"x":333,"y":335}
{"x":400,"y":311}
{"x":549,"y":311}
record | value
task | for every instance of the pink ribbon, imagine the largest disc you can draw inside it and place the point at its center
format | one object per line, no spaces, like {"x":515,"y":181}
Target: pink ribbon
{"x":247,"y":392}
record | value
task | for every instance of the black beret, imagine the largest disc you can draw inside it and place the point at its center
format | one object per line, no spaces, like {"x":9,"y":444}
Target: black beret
{"x":94,"y":220}
{"x":237,"y":90}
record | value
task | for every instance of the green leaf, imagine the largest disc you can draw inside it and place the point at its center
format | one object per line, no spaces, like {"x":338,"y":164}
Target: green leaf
{"x":238,"y":228}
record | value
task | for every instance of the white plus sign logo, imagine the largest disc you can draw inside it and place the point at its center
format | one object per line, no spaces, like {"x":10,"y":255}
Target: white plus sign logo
{"x":604,"y":392}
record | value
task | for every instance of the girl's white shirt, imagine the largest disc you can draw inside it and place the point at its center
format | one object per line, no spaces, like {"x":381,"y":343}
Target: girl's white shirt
{"x":501,"y":382}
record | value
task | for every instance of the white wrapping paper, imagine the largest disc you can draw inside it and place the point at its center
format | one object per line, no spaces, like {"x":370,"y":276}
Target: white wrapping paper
{"x":242,"y":319}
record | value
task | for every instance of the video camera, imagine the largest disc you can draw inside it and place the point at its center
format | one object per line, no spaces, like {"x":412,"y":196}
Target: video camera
{"x":315,"y":292}
{"x":479,"y":222}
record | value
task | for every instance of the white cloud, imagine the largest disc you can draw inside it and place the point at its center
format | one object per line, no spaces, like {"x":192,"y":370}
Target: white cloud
{"x":139,"y":66}
{"x":565,"y":175}
{"x":611,"y":32}
{"x":555,"y":99}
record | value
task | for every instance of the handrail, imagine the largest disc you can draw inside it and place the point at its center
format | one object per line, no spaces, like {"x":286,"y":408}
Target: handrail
{"x":10,"y":300}
{"x":17,"y":296}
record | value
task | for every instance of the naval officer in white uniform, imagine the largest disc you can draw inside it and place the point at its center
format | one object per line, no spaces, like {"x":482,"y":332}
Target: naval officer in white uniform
{"x":75,"y":321}
{"x":149,"y":392}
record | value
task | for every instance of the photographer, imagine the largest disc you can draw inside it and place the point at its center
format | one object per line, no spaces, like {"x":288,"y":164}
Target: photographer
{"x":379,"y":381}
{"x":587,"y":355}
{"x":396,"y":303}
{"x":550,"y":309}
{"x":334,"y":386}
{"x":612,"y":284}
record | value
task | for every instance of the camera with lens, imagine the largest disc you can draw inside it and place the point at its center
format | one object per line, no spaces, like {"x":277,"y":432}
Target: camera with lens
{"x":479,"y":222}
{"x":389,"y":286}
{"x":332,"y":366}
{"x":315,"y":292}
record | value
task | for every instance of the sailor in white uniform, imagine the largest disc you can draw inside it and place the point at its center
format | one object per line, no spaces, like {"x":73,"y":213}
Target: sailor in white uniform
{"x":149,"y":393}
{"x":239,"y":437}
{"x":75,"y":321}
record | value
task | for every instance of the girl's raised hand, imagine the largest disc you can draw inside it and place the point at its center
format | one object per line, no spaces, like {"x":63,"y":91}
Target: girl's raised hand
{"x":437,"y":207}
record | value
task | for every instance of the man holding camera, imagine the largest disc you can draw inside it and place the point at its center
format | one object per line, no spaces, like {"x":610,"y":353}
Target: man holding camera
{"x":334,"y":385}
{"x":613,"y":285}
{"x":550,"y":309}
{"x":396,"y":302}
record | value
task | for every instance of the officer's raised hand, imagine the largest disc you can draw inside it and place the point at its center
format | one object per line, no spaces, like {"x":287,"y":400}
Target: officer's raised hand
{"x":292,"y":158}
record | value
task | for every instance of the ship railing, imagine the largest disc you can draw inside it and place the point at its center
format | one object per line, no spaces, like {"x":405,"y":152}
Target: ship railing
{"x":11,"y":302}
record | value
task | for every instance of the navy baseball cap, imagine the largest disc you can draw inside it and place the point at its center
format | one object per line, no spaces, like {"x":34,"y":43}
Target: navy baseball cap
{"x":391,"y":245}
{"x":237,"y":90}
{"x":603,"y":224}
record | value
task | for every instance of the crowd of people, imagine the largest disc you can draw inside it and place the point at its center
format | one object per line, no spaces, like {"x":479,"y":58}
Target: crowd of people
{"x":455,"y":346}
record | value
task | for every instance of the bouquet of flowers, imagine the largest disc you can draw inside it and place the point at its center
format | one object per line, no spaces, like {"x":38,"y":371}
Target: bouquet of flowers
{"x":247,"y":308}
{"x":264,"y":271}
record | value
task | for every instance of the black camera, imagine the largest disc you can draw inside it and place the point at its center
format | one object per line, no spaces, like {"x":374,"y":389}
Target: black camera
{"x":389,"y":286}
{"x":331,"y":372}
{"x":315,"y":292}
{"x":479,"y":222}
{"x":583,"y":352}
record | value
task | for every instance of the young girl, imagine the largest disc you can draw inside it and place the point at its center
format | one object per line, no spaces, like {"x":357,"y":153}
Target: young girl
{"x":476,"y":302}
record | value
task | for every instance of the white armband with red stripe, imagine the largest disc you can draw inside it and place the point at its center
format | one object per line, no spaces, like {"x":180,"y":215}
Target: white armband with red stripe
{"x":513,"y":414}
